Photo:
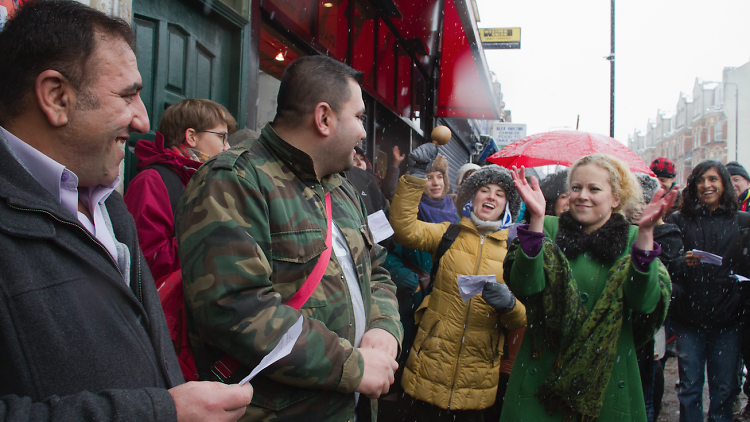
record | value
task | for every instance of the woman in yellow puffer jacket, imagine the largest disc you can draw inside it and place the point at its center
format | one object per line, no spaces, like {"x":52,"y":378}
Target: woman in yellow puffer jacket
{"x":453,"y":367}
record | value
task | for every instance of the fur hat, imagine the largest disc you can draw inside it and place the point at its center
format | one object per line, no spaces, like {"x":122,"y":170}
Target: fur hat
{"x":463,"y":170}
{"x":483,"y":177}
{"x":441,"y":164}
{"x":649,"y":186}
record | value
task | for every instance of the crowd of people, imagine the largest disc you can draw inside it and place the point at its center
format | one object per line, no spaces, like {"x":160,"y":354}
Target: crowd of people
{"x":506,"y":298}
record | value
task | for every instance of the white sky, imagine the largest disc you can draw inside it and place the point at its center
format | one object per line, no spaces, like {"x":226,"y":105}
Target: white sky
{"x":661,"y":47}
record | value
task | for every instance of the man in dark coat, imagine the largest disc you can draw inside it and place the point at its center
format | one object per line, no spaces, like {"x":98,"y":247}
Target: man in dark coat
{"x":82,"y":335}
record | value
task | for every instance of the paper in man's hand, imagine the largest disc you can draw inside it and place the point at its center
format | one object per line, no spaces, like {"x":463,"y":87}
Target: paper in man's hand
{"x":282,"y":349}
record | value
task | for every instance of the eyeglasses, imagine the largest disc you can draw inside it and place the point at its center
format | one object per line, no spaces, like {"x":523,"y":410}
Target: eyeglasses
{"x":223,"y":135}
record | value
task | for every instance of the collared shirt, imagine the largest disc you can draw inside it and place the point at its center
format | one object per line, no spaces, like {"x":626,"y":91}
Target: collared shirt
{"x":62,"y":184}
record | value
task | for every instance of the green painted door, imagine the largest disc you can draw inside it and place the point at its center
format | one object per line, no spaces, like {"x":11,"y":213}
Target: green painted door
{"x":183,"y":52}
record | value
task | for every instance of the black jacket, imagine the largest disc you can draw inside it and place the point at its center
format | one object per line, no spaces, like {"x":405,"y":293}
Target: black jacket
{"x":367,"y":187}
{"x":706,"y":296}
{"x":76,"y":343}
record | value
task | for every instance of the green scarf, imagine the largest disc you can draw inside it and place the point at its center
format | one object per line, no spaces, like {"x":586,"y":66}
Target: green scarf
{"x":586,"y":344}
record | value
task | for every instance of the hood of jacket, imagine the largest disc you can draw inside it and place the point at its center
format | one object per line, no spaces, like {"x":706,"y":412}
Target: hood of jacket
{"x":153,"y":152}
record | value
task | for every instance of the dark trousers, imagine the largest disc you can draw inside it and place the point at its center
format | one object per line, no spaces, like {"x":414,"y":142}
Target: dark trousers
{"x":408,"y":409}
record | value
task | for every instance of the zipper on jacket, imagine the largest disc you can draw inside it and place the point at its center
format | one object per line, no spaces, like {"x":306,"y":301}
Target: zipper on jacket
{"x":140,"y":283}
{"x":111,"y":258}
{"x":458,"y":356}
{"x":466,"y":321}
{"x":479,"y":260}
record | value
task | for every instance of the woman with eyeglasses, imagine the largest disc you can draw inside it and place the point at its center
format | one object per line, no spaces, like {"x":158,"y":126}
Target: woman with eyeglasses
{"x":190,"y":132}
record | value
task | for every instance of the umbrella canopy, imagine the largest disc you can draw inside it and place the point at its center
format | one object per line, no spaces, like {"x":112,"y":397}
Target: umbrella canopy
{"x":564,"y":147}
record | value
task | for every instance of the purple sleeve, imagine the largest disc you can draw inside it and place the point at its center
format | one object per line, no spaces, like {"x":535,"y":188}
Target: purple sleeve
{"x":642,"y":259}
{"x":531,"y":242}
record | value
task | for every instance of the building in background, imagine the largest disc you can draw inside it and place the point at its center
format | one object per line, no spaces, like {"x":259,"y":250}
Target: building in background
{"x":704,"y":127}
{"x":422,"y":60}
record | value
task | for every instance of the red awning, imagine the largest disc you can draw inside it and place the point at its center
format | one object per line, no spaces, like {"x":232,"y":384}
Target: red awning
{"x":465,"y":87}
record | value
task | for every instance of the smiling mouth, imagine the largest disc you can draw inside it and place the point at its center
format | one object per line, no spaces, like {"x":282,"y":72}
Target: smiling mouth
{"x":488,"y":206}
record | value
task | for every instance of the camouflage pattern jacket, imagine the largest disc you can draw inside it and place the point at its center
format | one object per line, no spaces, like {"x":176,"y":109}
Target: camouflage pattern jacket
{"x":251,"y":227}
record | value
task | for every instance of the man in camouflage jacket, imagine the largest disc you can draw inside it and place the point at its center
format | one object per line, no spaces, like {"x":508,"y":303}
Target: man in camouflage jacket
{"x":252,"y":226}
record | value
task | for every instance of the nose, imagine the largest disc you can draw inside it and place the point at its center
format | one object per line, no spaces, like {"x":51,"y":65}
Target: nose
{"x":363,"y":132}
{"x":226,"y":145}
{"x":139,"y":122}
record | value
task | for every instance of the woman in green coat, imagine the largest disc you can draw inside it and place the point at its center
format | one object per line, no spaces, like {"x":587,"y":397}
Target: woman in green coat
{"x":592,"y":291}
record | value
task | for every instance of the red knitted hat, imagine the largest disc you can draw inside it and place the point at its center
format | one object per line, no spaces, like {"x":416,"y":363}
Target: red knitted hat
{"x":663,"y":167}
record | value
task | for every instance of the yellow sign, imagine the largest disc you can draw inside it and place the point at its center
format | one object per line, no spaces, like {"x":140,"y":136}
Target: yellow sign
{"x":493,"y":35}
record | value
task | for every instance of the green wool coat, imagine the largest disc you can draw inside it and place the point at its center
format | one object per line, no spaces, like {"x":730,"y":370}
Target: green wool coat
{"x":624,"y":396}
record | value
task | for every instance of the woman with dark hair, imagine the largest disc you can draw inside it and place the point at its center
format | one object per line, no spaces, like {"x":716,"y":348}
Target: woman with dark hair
{"x":555,"y":190}
{"x":706,"y":303}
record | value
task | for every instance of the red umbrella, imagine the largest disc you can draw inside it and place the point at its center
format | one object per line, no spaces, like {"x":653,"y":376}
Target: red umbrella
{"x":564,"y":147}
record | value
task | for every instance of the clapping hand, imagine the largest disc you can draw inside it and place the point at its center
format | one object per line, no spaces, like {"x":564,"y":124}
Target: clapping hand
{"x":532,"y":196}
{"x":657,"y":208}
{"x":650,"y":216}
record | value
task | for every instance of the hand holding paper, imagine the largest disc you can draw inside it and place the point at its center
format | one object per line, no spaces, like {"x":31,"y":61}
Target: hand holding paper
{"x":707,"y":257}
{"x":472,"y":285}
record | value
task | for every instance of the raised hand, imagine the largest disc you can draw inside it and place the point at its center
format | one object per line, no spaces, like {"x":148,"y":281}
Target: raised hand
{"x":420,"y":159}
{"x":657,"y":208}
{"x":650,"y":216}
{"x":398,"y":158}
{"x":530,"y":193}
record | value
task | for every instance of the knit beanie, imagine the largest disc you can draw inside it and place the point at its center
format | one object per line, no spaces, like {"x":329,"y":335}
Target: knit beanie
{"x":441,"y":164}
{"x":663,"y":167}
{"x":463,"y":170}
{"x":736,"y":169}
{"x":483,"y":177}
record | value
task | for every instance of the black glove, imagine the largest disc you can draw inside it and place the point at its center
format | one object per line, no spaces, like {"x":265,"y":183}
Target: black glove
{"x":499,"y":297}
{"x":419,"y":160}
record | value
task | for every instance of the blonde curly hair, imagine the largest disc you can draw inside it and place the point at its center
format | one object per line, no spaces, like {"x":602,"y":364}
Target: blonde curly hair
{"x":624,"y":185}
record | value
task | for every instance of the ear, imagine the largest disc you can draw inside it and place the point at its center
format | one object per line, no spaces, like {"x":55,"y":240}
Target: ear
{"x":55,"y":96}
{"x":190,"y":137}
{"x":324,"y":119}
{"x":616,"y":202}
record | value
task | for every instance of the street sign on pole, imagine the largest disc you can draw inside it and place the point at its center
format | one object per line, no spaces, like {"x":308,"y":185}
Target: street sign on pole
{"x":500,"y":38}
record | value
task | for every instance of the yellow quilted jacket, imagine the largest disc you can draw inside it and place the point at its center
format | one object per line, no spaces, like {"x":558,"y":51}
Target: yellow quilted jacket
{"x":455,"y":360}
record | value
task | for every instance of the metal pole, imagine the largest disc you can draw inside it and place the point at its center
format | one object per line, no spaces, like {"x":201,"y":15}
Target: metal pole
{"x":612,"y":76}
